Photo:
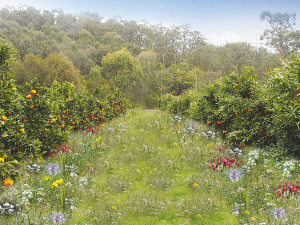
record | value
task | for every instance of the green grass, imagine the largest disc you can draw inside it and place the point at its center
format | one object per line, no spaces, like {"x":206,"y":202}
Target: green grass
{"x":141,"y":169}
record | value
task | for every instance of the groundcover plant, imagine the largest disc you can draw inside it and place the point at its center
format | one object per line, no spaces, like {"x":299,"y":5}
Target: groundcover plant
{"x":151,"y":167}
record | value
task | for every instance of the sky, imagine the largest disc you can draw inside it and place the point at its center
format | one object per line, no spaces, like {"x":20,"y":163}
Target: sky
{"x":219,"y":21}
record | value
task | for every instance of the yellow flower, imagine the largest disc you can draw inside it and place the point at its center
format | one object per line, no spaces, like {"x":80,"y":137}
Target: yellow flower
{"x":57,"y":182}
{"x":278,"y":199}
{"x":137,"y":170}
{"x":199,"y":215}
{"x":54,"y":184}
{"x":1,"y":159}
{"x":252,"y":218}
{"x":47,"y":178}
{"x":114,"y":207}
{"x":196,"y":185}
{"x":247,"y":212}
{"x":22,"y":130}
{"x":60,"y":181}
{"x":175,"y":144}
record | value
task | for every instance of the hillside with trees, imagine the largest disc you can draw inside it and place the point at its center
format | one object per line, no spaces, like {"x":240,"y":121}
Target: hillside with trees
{"x":142,"y":59}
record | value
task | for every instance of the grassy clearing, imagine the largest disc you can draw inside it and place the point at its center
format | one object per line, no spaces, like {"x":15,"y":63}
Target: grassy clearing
{"x":149,"y":168}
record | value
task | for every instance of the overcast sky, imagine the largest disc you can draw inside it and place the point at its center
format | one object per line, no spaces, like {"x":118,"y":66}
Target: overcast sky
{"x":220,"y":21}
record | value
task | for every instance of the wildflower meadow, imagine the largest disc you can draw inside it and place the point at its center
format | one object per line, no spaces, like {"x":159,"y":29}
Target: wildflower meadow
{"x":151,"y":167}
{"x":69,"y":158}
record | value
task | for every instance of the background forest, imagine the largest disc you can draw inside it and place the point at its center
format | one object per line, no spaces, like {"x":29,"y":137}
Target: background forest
{"x":145,"y":61}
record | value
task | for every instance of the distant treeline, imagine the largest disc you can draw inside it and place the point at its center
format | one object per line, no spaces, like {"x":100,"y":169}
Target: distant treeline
{"x":141,"y":59}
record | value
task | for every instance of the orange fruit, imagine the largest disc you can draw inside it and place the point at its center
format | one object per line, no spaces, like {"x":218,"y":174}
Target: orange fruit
{"x":51,"y":121}
{"x":8,"y":182}
{"x":73,"y":123}
{"x":4,"y":118}
{"x":62,"y":126}
{"x":29,"y":96}
{"x":33,"y":92}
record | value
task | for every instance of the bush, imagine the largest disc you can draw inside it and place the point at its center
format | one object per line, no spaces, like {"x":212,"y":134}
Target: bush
{"x":14,"y":143}
{"x":283,"y":91}
{"x":36,"y":119}
{"x":246,"y":112}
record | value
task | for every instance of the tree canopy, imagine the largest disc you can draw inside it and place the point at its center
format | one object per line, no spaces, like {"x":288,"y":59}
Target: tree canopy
{"x":282,"y":36}
{"x":88,"y":46}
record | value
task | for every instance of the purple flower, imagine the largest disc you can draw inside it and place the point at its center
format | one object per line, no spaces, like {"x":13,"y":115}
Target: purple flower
{"x":53,"y":168}
{"x":235,"y":175}
{"x":193,"y":125}
{"x":278,"y":212}
{"x":58,"y":217}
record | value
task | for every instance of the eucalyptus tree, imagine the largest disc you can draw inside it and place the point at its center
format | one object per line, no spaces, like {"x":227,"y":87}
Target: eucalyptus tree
{"x":282,"y":36}
{"x":152,"y":77}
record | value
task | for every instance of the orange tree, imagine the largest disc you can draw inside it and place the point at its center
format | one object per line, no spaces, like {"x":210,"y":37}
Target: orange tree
{"x":14,"y":143}
{"x":283,"y":92}
{"x":164,"y":101}
{"x":246,"y":112}
{"x":115,"y":104}
{"x":40,"y":115}
{"x":234,"y":106}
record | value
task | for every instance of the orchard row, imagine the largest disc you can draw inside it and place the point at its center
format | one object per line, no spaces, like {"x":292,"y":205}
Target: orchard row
{"x":246,"y":111}
{"x":35,"y":119}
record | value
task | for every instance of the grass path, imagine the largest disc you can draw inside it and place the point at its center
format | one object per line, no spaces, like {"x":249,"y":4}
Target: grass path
{"x":148,"y":168}
{"x":148,"y":173}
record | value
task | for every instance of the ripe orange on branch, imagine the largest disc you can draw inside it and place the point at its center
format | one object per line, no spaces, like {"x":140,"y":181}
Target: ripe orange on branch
{"x":33,"y":92}
{"x":8,"y":182}
{"x":4,"y":118}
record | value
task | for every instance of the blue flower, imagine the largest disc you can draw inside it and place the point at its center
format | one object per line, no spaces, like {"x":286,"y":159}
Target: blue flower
{"x":53,"y":168}
{"x":235,"y":175}
{"x":278,"y":212}
{"x":58,"y":217}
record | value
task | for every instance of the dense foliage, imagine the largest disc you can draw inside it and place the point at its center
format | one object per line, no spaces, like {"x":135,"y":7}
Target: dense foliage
{"x":246,"y":112}
{"x":35,"y":119}
{"x":53,"y":45}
